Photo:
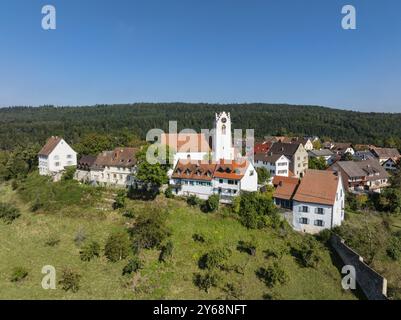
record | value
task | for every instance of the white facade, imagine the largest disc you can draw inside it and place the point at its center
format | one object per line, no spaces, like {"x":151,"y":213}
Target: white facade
{"x":58,"y":159}
{"x":390,"y":165}
{"x":226,"y":188}
{"x":308,"y":145}
{"x":222,"y":137}
{"x":112,"y":175}
{"x":281,"y":167}
{"x":314,"y":217}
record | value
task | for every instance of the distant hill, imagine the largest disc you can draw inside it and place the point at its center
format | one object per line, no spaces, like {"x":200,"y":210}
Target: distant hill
{"x":22,"y":125}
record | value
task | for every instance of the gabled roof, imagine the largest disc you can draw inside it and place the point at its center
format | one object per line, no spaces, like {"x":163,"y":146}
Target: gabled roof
{"x":268,"y":157}
{"x":285,"y":187}
{"x":385,"y":153}
{"x":87,"y":160}
{"x":50,"y":145}
{"x":199,"y":170}
{"x":194,"y":170}
{"x":287,"y":149}
{"x":119,"y":157}
{"x":318,"y":186}
{"x":321,"y":153}
{"x":186,"y":142}
{"x":358,"y":169}
{"x":262,"y":147}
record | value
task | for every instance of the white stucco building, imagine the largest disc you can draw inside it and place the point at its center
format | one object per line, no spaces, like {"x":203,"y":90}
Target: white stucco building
{"x":55,"y":156}
{"x":225,"y":178}
{"x":318,"y":202}
{"x":275,"y":164}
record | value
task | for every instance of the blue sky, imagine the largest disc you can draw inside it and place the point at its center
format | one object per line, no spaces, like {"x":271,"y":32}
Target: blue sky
{"x":278,"y":51}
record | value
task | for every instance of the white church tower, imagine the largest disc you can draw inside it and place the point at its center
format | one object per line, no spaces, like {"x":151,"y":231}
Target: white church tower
{"x":222,"y":137}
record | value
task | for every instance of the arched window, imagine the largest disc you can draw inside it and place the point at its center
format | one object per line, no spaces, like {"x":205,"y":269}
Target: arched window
{"x":223,"y":129}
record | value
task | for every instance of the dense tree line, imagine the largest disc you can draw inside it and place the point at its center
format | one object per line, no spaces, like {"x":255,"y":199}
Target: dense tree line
{"x":20,"y":126}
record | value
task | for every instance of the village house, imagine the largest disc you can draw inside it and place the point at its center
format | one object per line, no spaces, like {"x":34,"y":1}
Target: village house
{"x":55,"y":156}
{"x":306,"y":142}
{"x":318,"y":202}
{"x":384,"y":154}
{"x":275,"y":164}
{"x":340,"y":149}
{"x":363,"y":155}
{"x":296,"y":153}
{"x":391,"y":164}
{"x":205,"y":179}
{"x":84,"y":166}
{"x":326,"y":154}
{"x":362,"y":176}
{"x":284,"y":191}
{"x":117,"y":167}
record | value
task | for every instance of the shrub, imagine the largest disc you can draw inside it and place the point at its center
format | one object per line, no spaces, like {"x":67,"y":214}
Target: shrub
{"x":276,"y":252}
{"x":133,"y":265}
{"x":150,"y":231}
{"x":394,"y":248}
{"x":198,"y":237}
{"x":18,"y":274}
{"x":212,"y":203}
{"x":263,"y":175}
{"x":166,"y":251}
{"x":52,"y":241}
{"x":129,"y":214}
{"x":308,"y":253}
{"x":119,"y":200}
{"x":117,"y":246}
{"x":169,"y":193}
{"x":193,"y":200}
{"x":215,"y":258}
{"x":272,"y":275}
{"x":80,"y":237}
{"x":254,"y":208}
{"x":70,"y":280}
{"x":14,"y":185}
{"x":247,"y":246}
{"x":206,"y":281}
{"x":90,"y":251}
{"x":69,"y":173}
{"x":324,"y":236}
{"x":8,"y":213}
{"x":36,"y":205}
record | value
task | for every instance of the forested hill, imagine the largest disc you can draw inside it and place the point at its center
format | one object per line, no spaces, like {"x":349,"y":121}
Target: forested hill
{"x":24,"y":125}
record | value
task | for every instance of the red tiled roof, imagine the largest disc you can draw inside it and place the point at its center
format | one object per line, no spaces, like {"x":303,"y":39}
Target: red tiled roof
{"x":318,"y":186}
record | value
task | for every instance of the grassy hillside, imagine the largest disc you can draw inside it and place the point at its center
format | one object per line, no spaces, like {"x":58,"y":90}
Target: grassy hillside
{"x":23,"y":244}
{"x":20,"y":126}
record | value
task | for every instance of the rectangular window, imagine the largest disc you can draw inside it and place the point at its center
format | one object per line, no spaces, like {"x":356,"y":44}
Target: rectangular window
{"x":319,"y":210}
{"x":303,"y":220}
{"x":220,"y":180}
{"x":319,"y":223}
{"x":69,"y":156}
{"x":303,"y":209}
{"x":57,"y":164}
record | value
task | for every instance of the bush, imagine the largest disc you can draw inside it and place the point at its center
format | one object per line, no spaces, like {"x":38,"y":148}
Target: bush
{"x":324,"y":236}
{"x":308,"y":253}
{"x":272,"y":275}
{"x":117,"y":246}
{"x":119,"y":200}
{"x":276,"y":252}
{"x":129,"y":214}
{"x":52,"y":241}
{"x":90,"y":251}
{"x":133,"y":265}
{"x":207,"y":281}
{"x":212,"y":203}
{"x":150,"y":231}
{"x":214,"y":259}
{"x":18,"y":274}
{"x":14,"y":185}
{"x":8,"y":213}
{"x":166,"y":251}
{"x":394,"y":248}
{"x":69,"y":173}
{"x":198,"y":237}
{"x":263,"y":175}
{"x":169,"y":193}
{"x":37,"y":205}
{"x":80,"y":237}
{"x":193,"y":200}
{"x":247,"y":246}
{"x":70,"y":280}
{"x":254,"y":209}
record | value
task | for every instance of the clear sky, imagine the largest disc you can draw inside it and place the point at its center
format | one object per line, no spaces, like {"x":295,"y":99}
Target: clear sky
{"x":277,"y":51}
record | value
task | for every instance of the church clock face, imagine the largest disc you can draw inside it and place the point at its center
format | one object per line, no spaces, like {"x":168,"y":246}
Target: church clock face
{"x":224,"y":120}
